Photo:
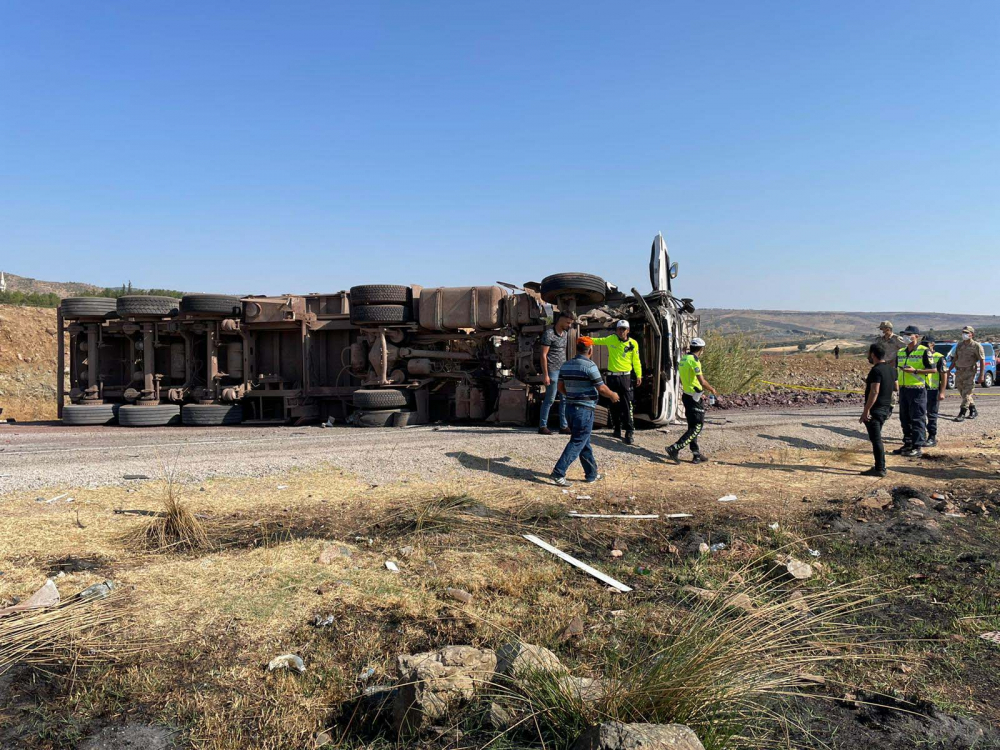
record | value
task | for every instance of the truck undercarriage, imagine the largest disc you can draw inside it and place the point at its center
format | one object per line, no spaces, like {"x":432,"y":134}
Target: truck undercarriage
{"x":378,"y":355}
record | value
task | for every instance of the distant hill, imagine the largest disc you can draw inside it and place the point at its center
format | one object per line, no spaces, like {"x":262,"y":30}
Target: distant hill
{"x":59,"y":288}
{"x":793,"y":325}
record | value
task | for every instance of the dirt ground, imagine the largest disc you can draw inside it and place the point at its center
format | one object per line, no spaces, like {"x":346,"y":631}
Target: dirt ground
{"x":27,"y":362}
{"x":210,"y":620}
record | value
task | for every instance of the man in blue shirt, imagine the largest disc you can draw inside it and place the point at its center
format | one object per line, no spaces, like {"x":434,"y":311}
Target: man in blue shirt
{"x":580,"y":383}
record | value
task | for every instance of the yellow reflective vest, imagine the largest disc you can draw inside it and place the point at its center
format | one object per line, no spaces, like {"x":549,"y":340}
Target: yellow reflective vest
{"x":934,"y":379}
{"x":918,"y":360}
{"x":623,"y":356}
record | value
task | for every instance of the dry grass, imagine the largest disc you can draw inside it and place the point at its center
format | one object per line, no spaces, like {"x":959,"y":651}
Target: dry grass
{"x":75,"y":633}
{"x":230,"y":607}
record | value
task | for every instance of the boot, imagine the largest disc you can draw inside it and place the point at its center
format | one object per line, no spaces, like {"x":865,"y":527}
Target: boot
{"x":617,"y":434}
{"x":973,"y":413}
{"x":961,"y":415}
{"x":629,"y":439}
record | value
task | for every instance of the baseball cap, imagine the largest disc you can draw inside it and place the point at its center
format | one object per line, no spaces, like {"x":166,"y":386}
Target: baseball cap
{"x":928,"y":340}
{"x":911,"y":331}
{"x":968,"y":329}
{"x":885,"y":324}
{"x":585,"y":340}
{"x":697,"y":342}
{"x":622,"y":324}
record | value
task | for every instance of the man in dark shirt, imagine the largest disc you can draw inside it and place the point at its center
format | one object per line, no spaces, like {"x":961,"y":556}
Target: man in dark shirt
{"x":879,"y":387}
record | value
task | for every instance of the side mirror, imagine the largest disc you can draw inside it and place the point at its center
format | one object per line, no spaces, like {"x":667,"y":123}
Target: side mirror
{"x":673,"y":270}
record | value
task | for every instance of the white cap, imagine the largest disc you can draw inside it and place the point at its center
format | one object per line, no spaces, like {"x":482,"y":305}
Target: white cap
{"x":697,"y":342}
{"x":622,"y":324}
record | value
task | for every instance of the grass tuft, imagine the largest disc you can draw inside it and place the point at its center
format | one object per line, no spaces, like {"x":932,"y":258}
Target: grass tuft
{"x":176,"y":528}
{"x":732,"y":362}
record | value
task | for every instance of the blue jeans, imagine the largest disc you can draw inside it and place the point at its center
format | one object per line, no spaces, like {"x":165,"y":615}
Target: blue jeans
{"x":551,"y":391}
{"x":581,"y":422}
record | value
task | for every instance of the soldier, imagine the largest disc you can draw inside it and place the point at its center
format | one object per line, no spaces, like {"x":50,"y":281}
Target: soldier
{"x":912,"y":365}
{"x":890,"y":342}
{"x":937,"y":382}
{"x":623,"y":360}
{"x":969,"y":364}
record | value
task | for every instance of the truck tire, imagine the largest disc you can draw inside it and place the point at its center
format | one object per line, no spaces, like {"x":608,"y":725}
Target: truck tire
{"x":381,"y":294}
{"x":161,"y":415}
{"x":377,"y":417}
{"x":602,"y":418}
{"x":380,"y":314}
{"x":87,"y":307}
{"x":380,"y":398}
{"x":132,"y":305}
{"x":587,"y":288}
{"x":210,"y":415}
{"x":219,"y":304}
{"x":90,"y":414}
{"x":687,"y":305}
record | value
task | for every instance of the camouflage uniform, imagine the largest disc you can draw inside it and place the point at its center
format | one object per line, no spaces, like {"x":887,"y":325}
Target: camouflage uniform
{"x":892,"y":343}
{"x":966,"y":359}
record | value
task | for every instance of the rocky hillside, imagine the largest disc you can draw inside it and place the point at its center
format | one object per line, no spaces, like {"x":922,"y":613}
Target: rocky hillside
{"x":27,"y":362}
{"x":61,"y":288}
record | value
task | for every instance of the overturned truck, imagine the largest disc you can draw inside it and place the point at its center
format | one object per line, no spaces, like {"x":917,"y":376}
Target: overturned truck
{"x":379,"y":355}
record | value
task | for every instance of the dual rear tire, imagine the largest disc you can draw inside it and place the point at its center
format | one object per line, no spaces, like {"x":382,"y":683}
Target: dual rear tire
{"x":80,"y":415}
{"x":381,"y":304}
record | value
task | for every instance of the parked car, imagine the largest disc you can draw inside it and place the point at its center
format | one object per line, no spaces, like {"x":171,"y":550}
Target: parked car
{"x":947,"y":348}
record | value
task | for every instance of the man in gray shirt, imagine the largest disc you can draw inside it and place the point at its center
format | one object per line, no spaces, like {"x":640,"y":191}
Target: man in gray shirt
{"x":553,"y":358}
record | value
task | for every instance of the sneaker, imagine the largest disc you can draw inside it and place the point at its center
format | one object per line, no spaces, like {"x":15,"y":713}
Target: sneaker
{"x":672,"y":453}
{"x":629,"y":440}
{"x":698,"y":459}
{"x":598,"y":478}
{"x":930,"y":443}
{"x":544,"y":431}
{"x":565,"y":431}
{"x":902,"y":450}
{"x":873,"y":472}
{"x":560,"y":481}
{"x":913,"y":453}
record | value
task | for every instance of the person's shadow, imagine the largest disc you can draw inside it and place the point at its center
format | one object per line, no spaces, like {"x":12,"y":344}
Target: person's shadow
{"x":795,"y":442}
{"x":857,"y":434}
{"x":499,"y":466}
{"x":617,"y":446}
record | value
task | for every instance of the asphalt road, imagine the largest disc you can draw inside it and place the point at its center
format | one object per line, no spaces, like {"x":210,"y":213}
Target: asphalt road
{"x":36,"y":456}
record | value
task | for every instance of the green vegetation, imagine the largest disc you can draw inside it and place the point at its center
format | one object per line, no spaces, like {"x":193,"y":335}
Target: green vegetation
{"x":732,"y":361}
{"x":50,"y":299}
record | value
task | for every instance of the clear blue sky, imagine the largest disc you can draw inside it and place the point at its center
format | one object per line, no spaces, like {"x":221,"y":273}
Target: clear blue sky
{"x":810,"y":155}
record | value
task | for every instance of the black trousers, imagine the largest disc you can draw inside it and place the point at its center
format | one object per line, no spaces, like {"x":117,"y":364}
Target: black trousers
{"x":913,"y":416}
{"x":621,"y":413}
{"x":694,"y":412}
{"x":932,"y":413}
{"x":874,"y":425}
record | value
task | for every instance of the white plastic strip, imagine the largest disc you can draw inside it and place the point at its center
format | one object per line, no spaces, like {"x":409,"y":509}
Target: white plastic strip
{"x":574,"y":514}
{"x":577,"y":563}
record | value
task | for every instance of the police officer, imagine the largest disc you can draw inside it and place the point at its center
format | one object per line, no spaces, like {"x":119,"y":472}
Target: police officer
{"x":623,"y":360}
{"x":969,"y":364}
{"x":937,"y":382}
{"x":912,"y":365}
{"x":694,"y":384}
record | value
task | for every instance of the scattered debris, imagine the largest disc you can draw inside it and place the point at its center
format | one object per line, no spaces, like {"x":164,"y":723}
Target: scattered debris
{"x":406,"y":551}
{"x":717,"y":547}
{"x":584,"y":497}
{"x":773,"y":526}
{"x":727,"y":498}
{"x":643,"y":570}
{"x":135,"y":476}
{"x":616,"y":553}
{"x":679,"y":515}
{"x":281,"y":487}
{"x":322,"y":621}
{"x":51,"y":500}
{"x":993,"y":636}
{"x":814,"y":552}
{"x":459,"y":595}
{"x":46,"y":596}
{"x":577,"y":563}
{"x":328,"y":422}
{"x":632,"y":517}
{"x":98,"y":590}
{"x":287,"y":661}
{"x":390,"y":565}
{"x":366,"y":674}
{"x":792,"y":568}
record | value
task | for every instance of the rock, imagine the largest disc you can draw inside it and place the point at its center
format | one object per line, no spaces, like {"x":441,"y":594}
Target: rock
{"x":323,"y":738}
{"x":433,"y":683}
{"x":880,"y":499}
{"x":333,"y":552}
{"x":585,"y":689}
{"x":789,"y":567}
{"x":620,"y":544}
{"x":703,"y":548}
{"x":459,"y":595}
{"x":618,"y":736}
{"x":518,"y":659}
{"x":500,"y":717}
{"x":738,"y":600}
{"x":287,"y":661}
{"x":573,"y":629}
{"x":130,"y":736}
